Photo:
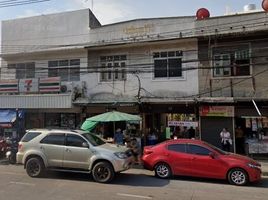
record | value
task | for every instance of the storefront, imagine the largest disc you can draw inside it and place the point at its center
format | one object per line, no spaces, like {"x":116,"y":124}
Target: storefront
{"x":254,"y":137}
{"x":167,"y":119}
{"x":212,"y":120}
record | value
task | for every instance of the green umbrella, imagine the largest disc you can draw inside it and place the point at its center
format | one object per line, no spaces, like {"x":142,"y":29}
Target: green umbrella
{"x":88,"y":125}
{"x":113,"y":116}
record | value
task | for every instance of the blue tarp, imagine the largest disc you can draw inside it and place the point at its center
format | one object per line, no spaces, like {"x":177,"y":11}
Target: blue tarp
{"x":9,"y":116}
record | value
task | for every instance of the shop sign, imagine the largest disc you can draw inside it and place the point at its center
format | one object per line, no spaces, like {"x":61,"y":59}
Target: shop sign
{"x":28,"y":85}
{"x":216,"y":111}
{"x":34,"y":85}
{"x":183,"y":123}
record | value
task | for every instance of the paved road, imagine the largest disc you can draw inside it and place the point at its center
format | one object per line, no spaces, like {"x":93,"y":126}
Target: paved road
{"x":134,"y":184}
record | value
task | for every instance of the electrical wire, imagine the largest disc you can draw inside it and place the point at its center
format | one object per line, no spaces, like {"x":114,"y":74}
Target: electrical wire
{"x":11,"y":3}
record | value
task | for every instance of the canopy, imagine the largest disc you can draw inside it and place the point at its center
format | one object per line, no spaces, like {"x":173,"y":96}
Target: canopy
{"x":7,"y":116}
{"x":113,"y":116}
{"x":88,"y":125}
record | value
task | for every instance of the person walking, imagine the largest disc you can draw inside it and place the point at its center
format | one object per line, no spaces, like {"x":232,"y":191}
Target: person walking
{"x":226,"y":140}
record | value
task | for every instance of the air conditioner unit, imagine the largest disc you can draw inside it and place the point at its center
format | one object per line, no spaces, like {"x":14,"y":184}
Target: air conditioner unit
{"x":66,"y":87}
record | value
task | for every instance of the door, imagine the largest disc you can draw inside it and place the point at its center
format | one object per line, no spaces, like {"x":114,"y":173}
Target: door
{"x":204,"y":165}
{"x":77,"y":153}
{"x":53,"y":147}
{"x":179,"y":159}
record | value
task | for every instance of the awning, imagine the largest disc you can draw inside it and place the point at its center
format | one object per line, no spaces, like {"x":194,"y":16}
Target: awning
{"x":9,"y":116}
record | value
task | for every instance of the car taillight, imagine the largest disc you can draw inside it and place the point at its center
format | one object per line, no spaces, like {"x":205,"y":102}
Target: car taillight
{"x":20,"y":147}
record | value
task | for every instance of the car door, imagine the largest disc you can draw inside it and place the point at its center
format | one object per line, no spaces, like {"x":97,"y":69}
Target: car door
{"x":53,"y":147}
{"x":77,"y":152}
{"x":203,"y":164}
{"x":179,"y":159}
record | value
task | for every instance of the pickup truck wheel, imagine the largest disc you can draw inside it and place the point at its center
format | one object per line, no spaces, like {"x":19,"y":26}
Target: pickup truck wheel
{"x":35,"y":167}
{"x":103,"y":172}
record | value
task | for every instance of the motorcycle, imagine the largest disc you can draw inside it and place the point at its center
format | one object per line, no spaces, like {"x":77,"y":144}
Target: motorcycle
{"x":12,"y":150}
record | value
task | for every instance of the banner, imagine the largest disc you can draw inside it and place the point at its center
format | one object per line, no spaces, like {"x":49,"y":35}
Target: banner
{"x":216,"y":111}
{"x":183,"y":123}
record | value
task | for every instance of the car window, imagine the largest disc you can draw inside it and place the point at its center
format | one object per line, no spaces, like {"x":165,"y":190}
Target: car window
{"x":55,"y":139}
{"x":75,"y":141}
{"x":197,"y":150}
{"x":29,"y":136}
{"x":93,"y":139}
{"x":177,"y":148}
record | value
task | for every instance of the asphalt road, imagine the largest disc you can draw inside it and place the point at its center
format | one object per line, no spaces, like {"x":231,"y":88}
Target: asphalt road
{"x":135,"y":184}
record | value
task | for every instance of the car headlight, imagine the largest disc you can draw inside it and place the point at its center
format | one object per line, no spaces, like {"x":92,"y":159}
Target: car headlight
{"x":254,"y":166}
{"x":121,"y":155}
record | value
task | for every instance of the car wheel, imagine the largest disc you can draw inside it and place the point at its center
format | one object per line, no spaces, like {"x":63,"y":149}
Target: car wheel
{"x":238,"y":176}
{"x":34,"y":167}
{"x":103,"y":172}
{"x":162,"y":170}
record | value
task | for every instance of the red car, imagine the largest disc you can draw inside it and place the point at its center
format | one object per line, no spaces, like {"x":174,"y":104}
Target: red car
{"x":196,"y":158}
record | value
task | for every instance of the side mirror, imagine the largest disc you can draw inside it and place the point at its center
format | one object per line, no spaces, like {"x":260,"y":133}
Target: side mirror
{"x":212,"y":155}
{"x":84,"y":144}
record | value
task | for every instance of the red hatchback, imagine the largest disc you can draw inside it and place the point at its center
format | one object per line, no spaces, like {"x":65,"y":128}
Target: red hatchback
{"x":199,"y":159}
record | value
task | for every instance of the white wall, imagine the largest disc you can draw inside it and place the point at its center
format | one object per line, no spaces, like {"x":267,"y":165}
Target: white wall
{"x":188,"y":85}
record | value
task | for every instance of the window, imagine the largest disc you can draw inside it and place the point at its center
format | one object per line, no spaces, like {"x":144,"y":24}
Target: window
{"x":23,"y":70}
{"x":233,"y":62}
{"x":181,"y":148}
{"x":198,"y":150}
{"x":74,"y":141}
{"x":113,"y":68}
{"x":54,"y":139}
{"x":168,"y":64}
{"x":29,"y":136}
{"x":68,"y":70}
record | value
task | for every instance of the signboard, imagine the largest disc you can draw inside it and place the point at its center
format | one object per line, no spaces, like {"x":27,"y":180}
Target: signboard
{"x":9,"y":86}
{"x":183,"y":123}
{"x":28,"y":85}
{"x":33,"y":85}
{"x":49,"y":84}
{"x":216,"y":111}
{"x":168,"y":133}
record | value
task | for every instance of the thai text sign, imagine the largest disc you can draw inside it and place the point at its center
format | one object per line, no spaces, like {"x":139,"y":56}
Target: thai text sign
{"x":183,"y":123}
{"x":216,"y":111}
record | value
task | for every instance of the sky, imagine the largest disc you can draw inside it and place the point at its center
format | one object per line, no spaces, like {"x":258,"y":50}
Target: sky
{"x":111,"y":11}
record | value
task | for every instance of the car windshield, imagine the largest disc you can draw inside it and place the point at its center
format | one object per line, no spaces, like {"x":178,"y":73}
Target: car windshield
{"x":216,"y":149}
{"x":93,"y":139}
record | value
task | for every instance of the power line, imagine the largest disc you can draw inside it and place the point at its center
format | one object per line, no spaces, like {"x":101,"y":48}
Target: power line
{"x":10,"y":3}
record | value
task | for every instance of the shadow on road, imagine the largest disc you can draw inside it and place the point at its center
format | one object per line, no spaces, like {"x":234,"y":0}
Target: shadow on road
{"x":139,"y":180}
{"x":262,"y":184}
{"x":127,"y":179}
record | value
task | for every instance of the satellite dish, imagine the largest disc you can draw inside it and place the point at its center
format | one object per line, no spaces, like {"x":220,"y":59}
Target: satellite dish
{"x":202,"y":13}
{"x":265,"y":5}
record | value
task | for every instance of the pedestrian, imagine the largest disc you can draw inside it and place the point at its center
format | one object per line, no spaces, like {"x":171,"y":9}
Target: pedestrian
{"x":118,"y":137}
{"x":226,"y":140}
{"x":239,"y":140}
{"x":191,"y":133}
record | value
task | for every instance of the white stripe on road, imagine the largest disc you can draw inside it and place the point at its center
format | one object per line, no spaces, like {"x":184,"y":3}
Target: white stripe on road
{"x":22,"y":183}
{"x":134,"y":196}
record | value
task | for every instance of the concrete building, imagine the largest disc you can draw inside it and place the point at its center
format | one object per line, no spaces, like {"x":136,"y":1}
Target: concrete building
{"x":232,"y":75}
{"x":138,"y":66}
{"x":165,"y":69}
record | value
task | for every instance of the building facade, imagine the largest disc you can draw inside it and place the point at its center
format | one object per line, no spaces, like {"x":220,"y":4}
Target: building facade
{"x":67,"y":66}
